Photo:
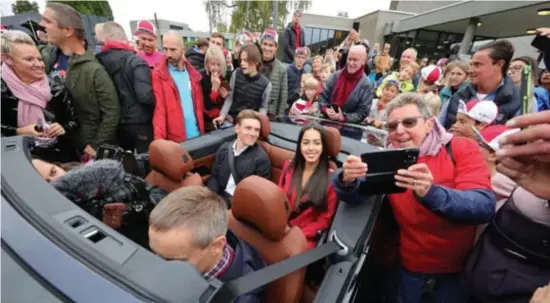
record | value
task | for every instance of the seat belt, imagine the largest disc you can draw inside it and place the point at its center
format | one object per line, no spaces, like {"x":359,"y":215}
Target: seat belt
{"x":231,"y":159}
{"x":254,"y":280}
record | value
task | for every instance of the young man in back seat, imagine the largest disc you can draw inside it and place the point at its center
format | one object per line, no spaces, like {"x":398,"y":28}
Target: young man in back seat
{"x":190,"y":225}
{"x":248,"y":157}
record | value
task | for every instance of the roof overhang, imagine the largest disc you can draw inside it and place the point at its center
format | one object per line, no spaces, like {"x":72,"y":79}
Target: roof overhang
{"x":498,"y":19}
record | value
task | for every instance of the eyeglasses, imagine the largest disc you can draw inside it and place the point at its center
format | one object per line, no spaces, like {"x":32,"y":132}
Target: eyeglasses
{"x":409,"y":122}
{"x":515,"y":68}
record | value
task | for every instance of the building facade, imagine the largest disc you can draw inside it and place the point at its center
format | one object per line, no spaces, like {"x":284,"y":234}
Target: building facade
{"x":188,"y":35}
{"x":433,"y":27}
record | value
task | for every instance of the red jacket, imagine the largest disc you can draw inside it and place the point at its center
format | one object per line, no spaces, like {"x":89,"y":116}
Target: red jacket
{"x":430,"y":243}
{"x":310,"y":221}
{"x":168,"y":120}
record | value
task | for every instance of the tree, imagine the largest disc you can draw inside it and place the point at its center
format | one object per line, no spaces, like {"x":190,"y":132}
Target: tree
{"x":256,"y":16}
{"x":221,"y":27}
{"x":342,"y":14}
{"x":217,"y":11}
{"x":19,"y":7}
{"x":97,"y":8}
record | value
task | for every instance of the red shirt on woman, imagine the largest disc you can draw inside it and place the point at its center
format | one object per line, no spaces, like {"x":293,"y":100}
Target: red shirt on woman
{"x":310,"y":221}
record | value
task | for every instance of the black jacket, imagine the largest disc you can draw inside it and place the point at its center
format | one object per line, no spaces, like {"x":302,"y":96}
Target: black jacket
{"x":132,"y":79}
{"x":508,"y":100}
{"x":246,"y":260}
{"x":195,"y":57}
{"x":290,"y":42}
{"x":59,"y":109}
{"x":294,"y":77}
{"x":253,"y":161}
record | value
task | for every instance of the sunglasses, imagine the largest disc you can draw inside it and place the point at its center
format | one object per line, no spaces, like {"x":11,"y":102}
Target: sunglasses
{"x":409,"y":122}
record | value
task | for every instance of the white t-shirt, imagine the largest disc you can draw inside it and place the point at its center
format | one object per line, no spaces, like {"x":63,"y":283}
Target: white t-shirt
{"x":230,"y":188}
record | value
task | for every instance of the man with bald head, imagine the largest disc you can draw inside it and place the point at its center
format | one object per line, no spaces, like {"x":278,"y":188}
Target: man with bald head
{"x":408,"y":56}
{"x":176,"y":84}
{"x":348,"y":93}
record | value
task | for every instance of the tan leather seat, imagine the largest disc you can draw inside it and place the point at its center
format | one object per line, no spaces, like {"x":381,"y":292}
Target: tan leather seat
{"x":278,"y":155}
{"x":171,"y":166}
{"x":259,"y":216}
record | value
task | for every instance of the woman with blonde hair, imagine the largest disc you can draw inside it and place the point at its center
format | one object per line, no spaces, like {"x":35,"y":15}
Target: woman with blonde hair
{"x":215,"y":84}
{"x":456,"y":78}
{"x":32,"y":105}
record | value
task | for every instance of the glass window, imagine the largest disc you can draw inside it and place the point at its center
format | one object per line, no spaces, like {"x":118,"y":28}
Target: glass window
{"x":315,"y":35}
{"x":324,"y":35}
{"x":428,"y":35}
{"x":307,"y":34}
{"x":331,"y":34}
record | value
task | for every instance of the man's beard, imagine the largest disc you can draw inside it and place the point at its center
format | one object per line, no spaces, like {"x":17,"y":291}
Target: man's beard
{"x":173,"y":61}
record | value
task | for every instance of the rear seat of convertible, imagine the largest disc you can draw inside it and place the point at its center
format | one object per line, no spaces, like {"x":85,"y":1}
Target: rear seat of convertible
{"x":278,"y":155}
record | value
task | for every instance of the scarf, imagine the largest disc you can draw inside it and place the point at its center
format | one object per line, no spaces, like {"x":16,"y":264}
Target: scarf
{"x":433,"y":142}
{"x":345,"y":83}
{"x":267,"y":67}
{"x":112,"y":44}
{"x":33,"y":97}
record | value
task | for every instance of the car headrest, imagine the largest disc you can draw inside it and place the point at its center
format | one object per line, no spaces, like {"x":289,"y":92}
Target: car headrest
{"x":263,"y":205}
{"x":334,"y":141}
{"x":170,"y":159}
{"x":266,"y":126}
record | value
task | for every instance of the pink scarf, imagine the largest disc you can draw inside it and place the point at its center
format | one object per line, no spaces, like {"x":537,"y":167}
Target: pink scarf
{"x":433,"y":142}
{"x":32,"y":97}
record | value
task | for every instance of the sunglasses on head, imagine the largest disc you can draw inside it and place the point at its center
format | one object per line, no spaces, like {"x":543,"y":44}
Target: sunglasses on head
{"x":409,"y":122}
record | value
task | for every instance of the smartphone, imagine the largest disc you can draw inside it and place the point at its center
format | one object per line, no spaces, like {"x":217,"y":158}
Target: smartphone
{"x":526,"y":90}
{"x":541,"y":43}
{"x":356,"y":26}
{"x":383,"y":165}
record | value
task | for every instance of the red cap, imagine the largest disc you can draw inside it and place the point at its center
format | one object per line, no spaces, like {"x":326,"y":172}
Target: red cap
{"x":145,"y":26}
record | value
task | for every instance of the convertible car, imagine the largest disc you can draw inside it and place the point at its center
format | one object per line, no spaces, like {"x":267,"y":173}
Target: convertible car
{"x":52,"y":250}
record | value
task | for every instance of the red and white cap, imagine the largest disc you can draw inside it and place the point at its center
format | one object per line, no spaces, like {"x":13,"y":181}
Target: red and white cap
{"x":481,"y":111}
{"x":492,"y":134}
{"x":145,"y":26}
{"x":270,"y":34}
{"x":431,"y":74}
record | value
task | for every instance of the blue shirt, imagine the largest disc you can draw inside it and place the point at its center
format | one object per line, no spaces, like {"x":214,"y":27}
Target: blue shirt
{"x":183,"y":83}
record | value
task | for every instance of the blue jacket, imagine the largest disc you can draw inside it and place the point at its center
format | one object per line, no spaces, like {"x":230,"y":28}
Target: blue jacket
{"x":247,"y":259}
{"x":543,"y":98}
{"x":507,"y":98}
{"x":445,"y":95}
{"x":357,"y":107}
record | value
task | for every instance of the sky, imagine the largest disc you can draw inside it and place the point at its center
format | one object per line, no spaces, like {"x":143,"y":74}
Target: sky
{"x":194,"y":14}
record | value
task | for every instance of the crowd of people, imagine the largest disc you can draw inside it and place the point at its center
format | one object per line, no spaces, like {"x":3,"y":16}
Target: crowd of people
{"x":473,"y":223}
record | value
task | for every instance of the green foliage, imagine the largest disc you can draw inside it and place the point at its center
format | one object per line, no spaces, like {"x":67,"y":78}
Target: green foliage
{"x":19,"y":7}
{"x":222,"y":27}
{"x":98,"y":8}
{"x":256,"y":16}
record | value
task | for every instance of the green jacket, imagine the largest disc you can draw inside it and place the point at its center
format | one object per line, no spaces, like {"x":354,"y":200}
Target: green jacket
{"x":93,"y":94}
{"x":279,"y":90}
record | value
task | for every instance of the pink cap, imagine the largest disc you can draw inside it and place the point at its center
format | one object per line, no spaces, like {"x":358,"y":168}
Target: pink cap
{"x":270,"y":34}
{"x":145,"y":26}
{"x":431,"y":74}
{"x":481,"y":111}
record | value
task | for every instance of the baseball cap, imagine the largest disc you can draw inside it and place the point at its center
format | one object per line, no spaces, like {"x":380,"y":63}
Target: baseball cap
{"x":490,"y":135}
{"x":481,"y":111}
{"x":270,"y":34}
{"x":145,"y":26}
{"x":431,"y":74}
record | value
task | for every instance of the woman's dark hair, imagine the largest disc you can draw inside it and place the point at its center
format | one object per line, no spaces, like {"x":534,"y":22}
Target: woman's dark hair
{"x":500,"y":50}
{"x":253,"y":53}
{"x":318,"y":183}
{"x":542,"y":71}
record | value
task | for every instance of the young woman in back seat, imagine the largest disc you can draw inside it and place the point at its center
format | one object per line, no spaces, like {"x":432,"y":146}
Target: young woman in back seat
{"x":306,"y":180}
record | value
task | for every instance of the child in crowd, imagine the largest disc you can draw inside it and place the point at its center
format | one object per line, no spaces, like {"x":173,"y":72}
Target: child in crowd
{"x":307,"y":104}
{"x":404,"y":77}
{"x":429,"y":78}
{"x":434,"y":103}
{"x":326,"y":70}
{"x":304,"y":78}
{"x":390,"y":90}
